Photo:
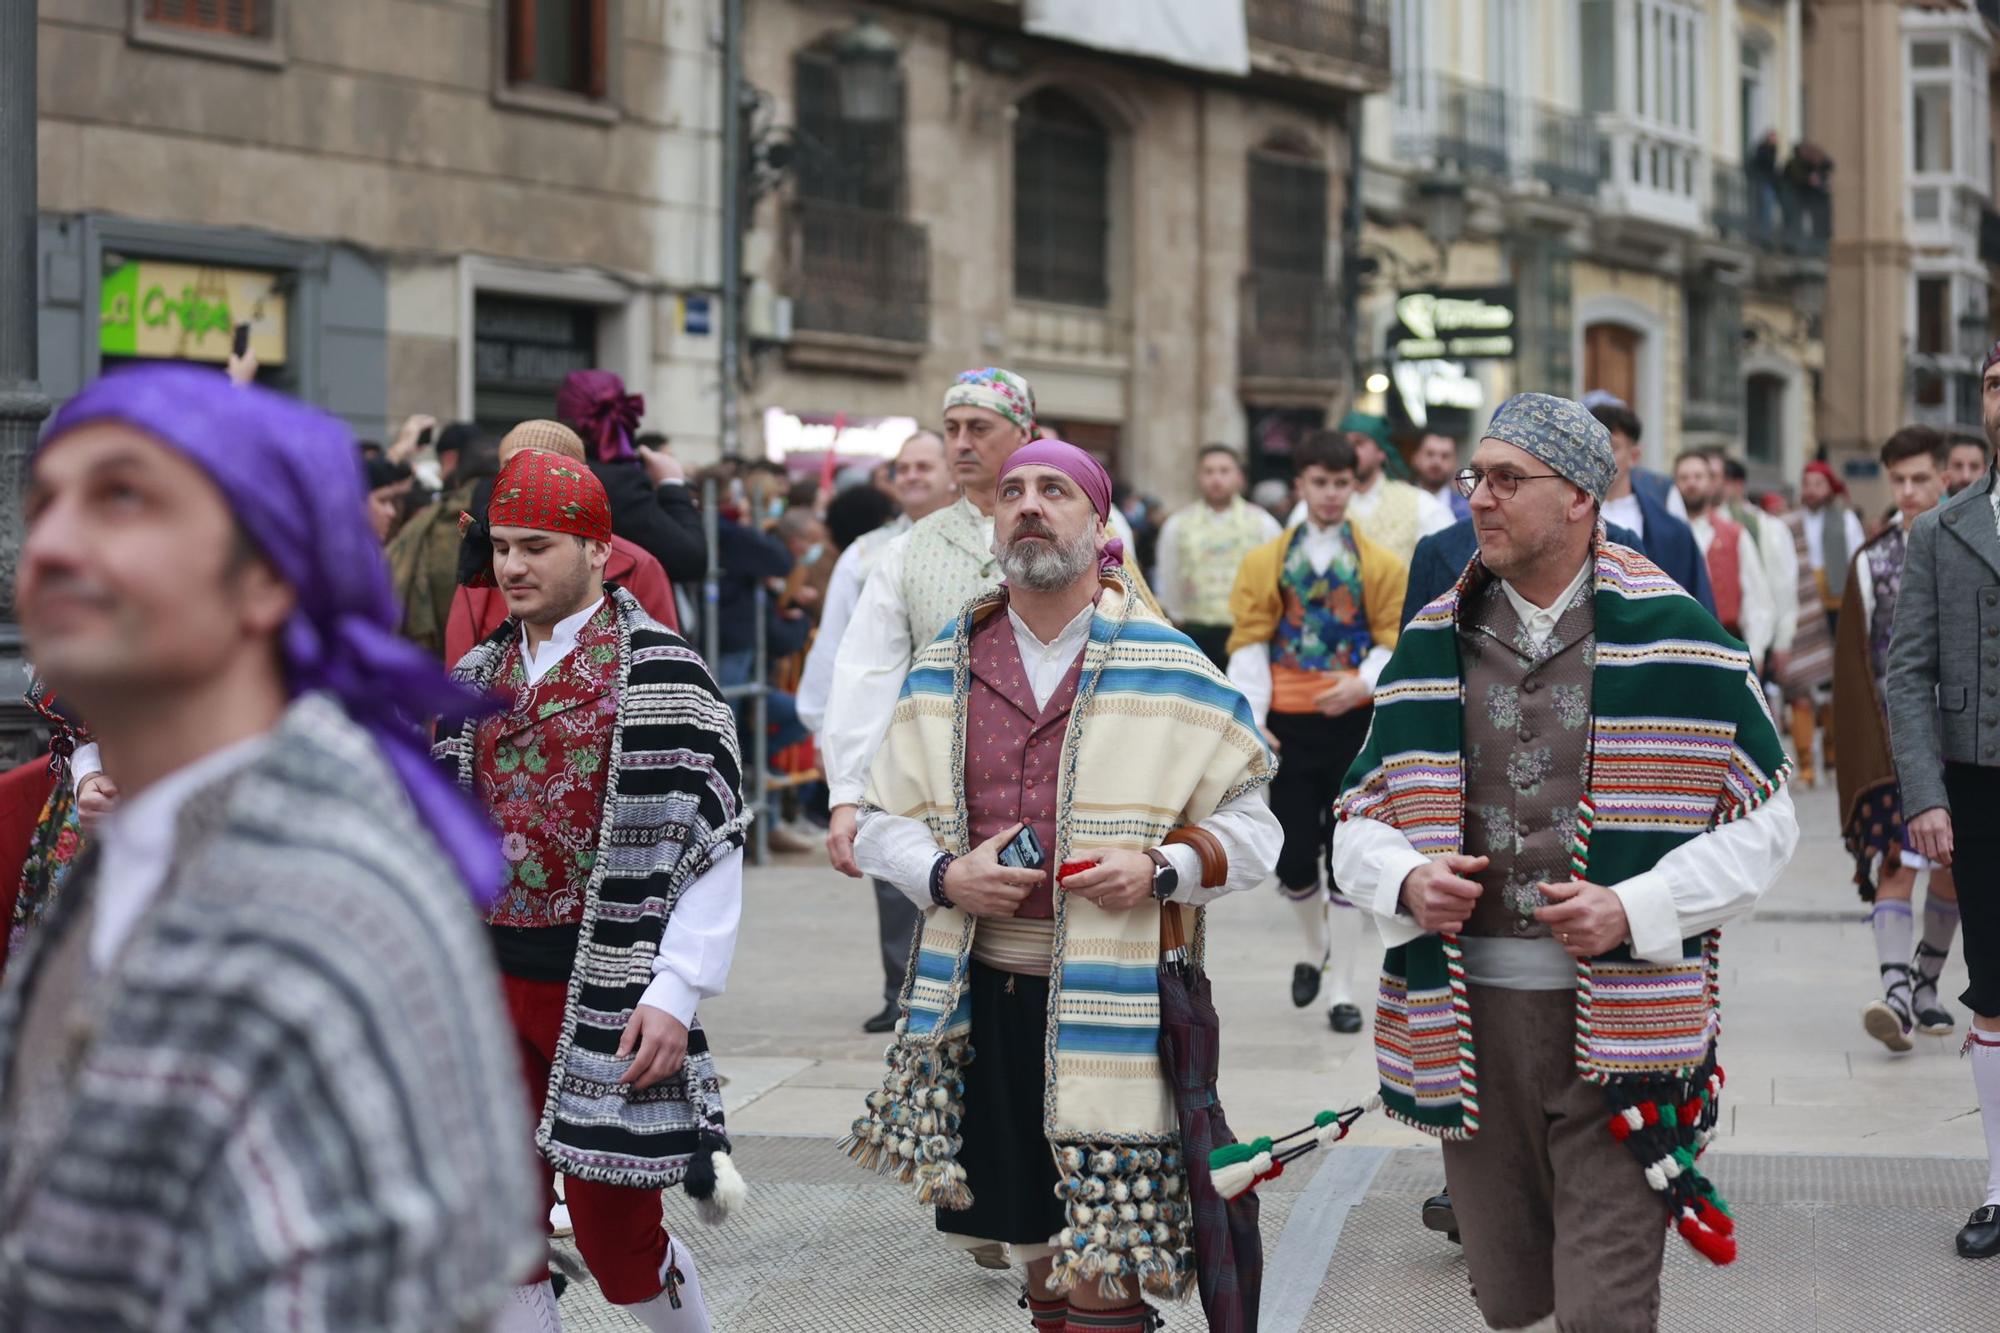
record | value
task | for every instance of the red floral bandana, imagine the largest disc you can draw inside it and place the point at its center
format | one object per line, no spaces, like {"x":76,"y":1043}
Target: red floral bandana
{"x":550,"y":493}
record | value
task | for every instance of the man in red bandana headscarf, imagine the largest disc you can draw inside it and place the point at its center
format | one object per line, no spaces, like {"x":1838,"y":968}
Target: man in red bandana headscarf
{"x":646,"y":487}
{"x":612,"y":735}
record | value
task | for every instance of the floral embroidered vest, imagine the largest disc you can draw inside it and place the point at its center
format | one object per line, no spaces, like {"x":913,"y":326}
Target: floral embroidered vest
{"x":1210,"y":547}
{"x":1885,"y":575}
{"x":1393,"y":521}
{"x":1324,"y":628}
{"x":541,"y":768}
{"x":948,"y":562}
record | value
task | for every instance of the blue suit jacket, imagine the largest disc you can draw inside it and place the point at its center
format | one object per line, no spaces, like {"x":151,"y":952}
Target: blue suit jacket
{"x":1441,"y":557}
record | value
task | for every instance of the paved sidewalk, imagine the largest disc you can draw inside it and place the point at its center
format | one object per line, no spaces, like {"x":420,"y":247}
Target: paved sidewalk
{"x":1851,"y":1167}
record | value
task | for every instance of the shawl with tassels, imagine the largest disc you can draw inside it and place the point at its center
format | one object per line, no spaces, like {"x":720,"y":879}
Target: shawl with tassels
{"x":1157,"y":739}
{"x":1871,"y":806}
{"x":1680,"y":743}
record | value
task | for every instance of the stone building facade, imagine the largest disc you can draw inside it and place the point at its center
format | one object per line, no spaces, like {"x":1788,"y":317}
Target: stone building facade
{"x":1157,"y":246}
{"x":421,"y":205}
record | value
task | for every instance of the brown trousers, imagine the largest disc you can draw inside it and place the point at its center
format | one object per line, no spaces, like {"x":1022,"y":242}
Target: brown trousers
{"x":1555,"y":1213}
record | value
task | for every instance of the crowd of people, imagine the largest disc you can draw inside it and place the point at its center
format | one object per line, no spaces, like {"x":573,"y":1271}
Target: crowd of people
{"x":394,"y":824}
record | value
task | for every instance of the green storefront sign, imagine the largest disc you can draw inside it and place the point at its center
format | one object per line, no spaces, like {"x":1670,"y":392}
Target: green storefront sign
{"x":187,"y":312}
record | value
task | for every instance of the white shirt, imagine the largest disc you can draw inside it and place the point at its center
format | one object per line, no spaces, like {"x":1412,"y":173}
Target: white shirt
{"x":1250,"y":665}
{"x":1626,"y":513}
{"x":1168,"y":585}
{"x":1816,"y":534}
{"x":843,"y":592}
{"x":902,"y":851}
{"x":135,"y":845}
{"x":1760,"y":610}
{"x":693,"y":962}
{"x":1538,"y":622}
{"x":1781,"y":574}
{"x":1433,"y":511}
{"x":869,"y":666}
{"x":1697,"y":886}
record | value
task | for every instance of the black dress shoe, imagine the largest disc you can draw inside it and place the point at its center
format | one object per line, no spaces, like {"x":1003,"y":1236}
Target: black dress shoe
{"x":1979,"y":1238}
{"x":1345,"y":1017}
{"x":1305,"y":985}
{"x":1439,"y":1215}
{"x":884,"y":1021}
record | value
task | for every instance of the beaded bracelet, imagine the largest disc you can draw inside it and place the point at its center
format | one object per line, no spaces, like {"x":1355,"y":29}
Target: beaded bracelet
{"x":938,"y":867}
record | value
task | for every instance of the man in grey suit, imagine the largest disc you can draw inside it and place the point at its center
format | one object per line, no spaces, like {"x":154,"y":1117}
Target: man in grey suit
{"x":1943,"y":701}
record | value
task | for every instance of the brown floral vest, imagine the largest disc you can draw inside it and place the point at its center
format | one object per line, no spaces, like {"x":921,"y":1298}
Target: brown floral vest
{"x":1527,"y":716}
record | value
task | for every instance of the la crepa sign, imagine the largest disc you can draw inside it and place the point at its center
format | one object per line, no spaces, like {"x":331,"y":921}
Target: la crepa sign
{"x":1456,"y":324}
{"x":189,"y":312}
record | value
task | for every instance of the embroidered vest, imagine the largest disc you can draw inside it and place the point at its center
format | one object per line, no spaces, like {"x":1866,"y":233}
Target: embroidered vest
{"x":1013,"y":750}
{"x":1392,"y":522}
{"x":541,"y":770}
{"x":1725,"y":571}
{"x":1324,"y":628}
{"x":1885,"y":574}
{"x":1527,"y":715}
{"x":948,"y":562}
{"x":1210,"y":547}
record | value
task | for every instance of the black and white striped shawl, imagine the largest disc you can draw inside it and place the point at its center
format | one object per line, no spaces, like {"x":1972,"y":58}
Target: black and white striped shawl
{"x":672,"y":810}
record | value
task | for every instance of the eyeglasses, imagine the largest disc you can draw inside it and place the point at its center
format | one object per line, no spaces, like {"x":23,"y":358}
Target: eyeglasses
{"x":1501,"y":481}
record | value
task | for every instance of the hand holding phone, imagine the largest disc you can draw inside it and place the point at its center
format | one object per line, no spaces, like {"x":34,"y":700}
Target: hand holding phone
{"x":979,"y":884}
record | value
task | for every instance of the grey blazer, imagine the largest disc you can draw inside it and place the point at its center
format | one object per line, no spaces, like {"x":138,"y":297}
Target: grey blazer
{"x":1944,"y":659}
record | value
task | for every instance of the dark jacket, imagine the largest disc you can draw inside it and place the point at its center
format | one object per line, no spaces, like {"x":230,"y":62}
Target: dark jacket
{"x":663,"y":519}
{"x":747,"y":558}
{"x":1441,"y":557}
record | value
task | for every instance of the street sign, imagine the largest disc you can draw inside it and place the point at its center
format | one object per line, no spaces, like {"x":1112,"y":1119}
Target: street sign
{"x":189,"y":312}
{"x":1454,"y":323}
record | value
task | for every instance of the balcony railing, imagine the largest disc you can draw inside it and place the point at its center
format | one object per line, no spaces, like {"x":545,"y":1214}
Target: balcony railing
{"x":859,"y":274}
{"x":1445,"y":122}
{"x":1653,"y":172}
{"x":1350,"y":30}
{"x":1569,"y":154}
{"x":1772,"y":214}
{"x":1291,"y":328}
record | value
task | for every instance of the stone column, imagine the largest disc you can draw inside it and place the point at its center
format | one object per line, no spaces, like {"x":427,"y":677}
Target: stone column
{"x":22,"y":403}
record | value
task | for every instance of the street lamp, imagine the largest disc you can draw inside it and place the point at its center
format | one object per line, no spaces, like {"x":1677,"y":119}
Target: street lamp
{"x":1441,"y":200}
{"x":866,"y":58}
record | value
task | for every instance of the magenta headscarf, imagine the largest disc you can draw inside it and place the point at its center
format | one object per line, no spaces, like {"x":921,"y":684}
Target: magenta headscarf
{"x":1085,"y":471}
{"x":291,"y":475}
{"x":595,"y":405}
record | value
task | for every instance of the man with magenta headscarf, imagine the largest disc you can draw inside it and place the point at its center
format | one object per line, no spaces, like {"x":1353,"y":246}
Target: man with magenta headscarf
{"x":651,"y":505}
{"x":254,"y":1070}
{"x":1064,"y":773}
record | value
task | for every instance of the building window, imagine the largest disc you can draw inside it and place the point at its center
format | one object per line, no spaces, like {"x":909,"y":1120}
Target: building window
{"x":1062,"y":202}
{"x":244,"y":30}
{"x":522,"y":348}
{"x":1764,"y":419}
{"x":559,"y":45}
{"x":1753,"y":95}
{"x":1930,"y":128}
{"x":1933,"y":316}
{"x":1288,"y":224}
{"x":856,"y":164}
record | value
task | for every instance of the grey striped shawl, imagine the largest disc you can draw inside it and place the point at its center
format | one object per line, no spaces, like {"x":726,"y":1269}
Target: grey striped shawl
{"x":302,"y":1109}
{"x":671,"y":811}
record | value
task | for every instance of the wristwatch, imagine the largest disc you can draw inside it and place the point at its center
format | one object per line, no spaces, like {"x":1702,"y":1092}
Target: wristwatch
{"x":1165,"y":878}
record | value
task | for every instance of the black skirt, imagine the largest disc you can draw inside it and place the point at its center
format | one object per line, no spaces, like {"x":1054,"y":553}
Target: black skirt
{"x":1009,"y":1166}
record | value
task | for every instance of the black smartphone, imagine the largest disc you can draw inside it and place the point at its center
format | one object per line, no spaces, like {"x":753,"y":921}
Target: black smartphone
{"x":242,"y":340}
{"x":423,"y":437}
{"x":1025,"y":852}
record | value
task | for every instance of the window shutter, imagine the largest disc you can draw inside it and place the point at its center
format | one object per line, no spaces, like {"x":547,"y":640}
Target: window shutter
{"x":596,"y":47}
{"x":520,"y":41}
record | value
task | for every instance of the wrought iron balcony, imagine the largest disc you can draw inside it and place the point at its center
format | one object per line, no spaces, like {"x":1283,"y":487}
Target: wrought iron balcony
{"x":1568,"y":151}
{"x":1356,"y":31}
{"x":1442,"y":121}
{"x":1290,"y":328}
{"x":859,"y":274}
{"x":1771,"y":214}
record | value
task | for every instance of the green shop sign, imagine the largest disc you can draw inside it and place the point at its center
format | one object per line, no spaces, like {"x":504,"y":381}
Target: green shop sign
{"x":188,"y":312}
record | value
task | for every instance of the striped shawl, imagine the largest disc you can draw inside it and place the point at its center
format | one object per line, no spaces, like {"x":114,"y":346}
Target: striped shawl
{"x":672,"y":811}
{"x":1680,"y":742}
{"x":1157,"y":739}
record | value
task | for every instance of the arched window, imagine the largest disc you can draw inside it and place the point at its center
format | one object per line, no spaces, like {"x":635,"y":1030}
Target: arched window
{"x":856,"y":164}
{"x":1288,"y":222}
{"x":1062,"y":202}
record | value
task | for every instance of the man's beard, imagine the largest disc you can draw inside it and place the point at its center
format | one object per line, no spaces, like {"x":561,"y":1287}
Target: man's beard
{"x":1048,"y":565}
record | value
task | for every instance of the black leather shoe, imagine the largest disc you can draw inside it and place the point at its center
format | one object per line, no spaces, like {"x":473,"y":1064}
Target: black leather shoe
{"x":882,"y":1022}
{"x":1344,"y":1018}
{"x":1305,"y":985}
{"x":1439,"y":1215}
{"x":1979,"y":1238}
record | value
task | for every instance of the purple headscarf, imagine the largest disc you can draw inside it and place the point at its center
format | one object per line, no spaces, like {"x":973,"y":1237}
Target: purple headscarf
{"x":595,"y":405}
{"x":292,"y":477}
{"x":1085,"y":471}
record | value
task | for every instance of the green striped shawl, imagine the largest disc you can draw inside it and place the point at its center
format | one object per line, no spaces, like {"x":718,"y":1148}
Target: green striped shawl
{"x":1680,"y":742}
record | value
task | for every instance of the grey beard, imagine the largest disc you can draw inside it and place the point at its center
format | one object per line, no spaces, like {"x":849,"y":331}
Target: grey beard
{"x":1048,"y":566}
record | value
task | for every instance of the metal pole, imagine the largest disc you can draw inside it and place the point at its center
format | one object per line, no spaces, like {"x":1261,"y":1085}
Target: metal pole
{"x":22,"y":403}
{"x":731,"y":323}
{"x":1350,"y":296}
{"x":760,"y":741}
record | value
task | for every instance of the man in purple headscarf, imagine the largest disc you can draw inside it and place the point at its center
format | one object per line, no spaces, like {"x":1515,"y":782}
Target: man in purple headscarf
{"x":253,"y":1070}
{"x":650,"y":503}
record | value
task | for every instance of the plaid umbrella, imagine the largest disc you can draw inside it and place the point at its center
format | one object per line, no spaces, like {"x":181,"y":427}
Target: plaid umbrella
{"x":1229,"y":1249}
